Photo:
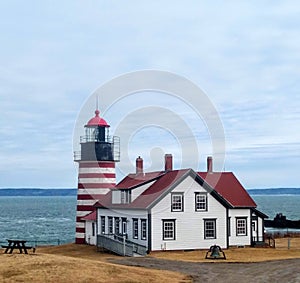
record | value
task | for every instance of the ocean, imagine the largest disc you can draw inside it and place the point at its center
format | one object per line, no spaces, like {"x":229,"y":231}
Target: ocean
{"x":39,"y":220}
{"x":43,"y":220}
{"x":288,"y":205}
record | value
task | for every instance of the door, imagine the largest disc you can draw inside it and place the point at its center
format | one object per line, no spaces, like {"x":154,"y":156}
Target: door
{"x":254,"y":231}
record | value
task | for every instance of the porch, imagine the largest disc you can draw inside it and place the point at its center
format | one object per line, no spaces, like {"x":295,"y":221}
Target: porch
{"x":263,"y":242}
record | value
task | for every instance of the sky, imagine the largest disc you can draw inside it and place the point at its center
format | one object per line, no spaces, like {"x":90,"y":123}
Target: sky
{"x":243,"y":55}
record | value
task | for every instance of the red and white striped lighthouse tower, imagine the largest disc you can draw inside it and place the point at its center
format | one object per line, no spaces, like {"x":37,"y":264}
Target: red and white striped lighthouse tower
{"x":96,"y":175}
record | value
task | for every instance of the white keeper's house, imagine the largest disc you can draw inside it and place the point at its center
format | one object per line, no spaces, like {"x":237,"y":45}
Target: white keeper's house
{"x":164,"y":210}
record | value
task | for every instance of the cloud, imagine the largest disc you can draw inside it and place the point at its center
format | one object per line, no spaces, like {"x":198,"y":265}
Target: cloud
{"x":245,"y":55}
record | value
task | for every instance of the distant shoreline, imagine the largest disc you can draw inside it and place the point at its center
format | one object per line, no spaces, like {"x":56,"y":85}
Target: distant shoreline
{"x":37,"y":192}
{"x":6,"y":192}
{"x":277,"y":191}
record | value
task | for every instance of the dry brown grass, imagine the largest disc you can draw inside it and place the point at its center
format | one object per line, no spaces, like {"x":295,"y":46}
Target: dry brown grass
{"x":241,"y":254}
{"x":81,"y":263}
{"x":74,"y":263}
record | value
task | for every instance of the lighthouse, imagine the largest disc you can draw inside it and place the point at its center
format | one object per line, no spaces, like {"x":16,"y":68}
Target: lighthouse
{"x":96,"y":174}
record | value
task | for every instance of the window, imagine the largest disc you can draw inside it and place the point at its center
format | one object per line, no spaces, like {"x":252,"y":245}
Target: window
{"x":93,"y":229}
{"x":135,"y":228}
{"x":241,"y":226}
{"x":117,"y":226}
{"x":229,"y":226}
{"x":177,"y":202}
{"x":110,"y":225}
{"x":143,"y":229}
{"x":124,"y":226}
{"x":200,"y":202}
{"x":103,"y":224}
{"x":168,"y":229}
{"x":210,"y":229}
{"x":125,"y":196}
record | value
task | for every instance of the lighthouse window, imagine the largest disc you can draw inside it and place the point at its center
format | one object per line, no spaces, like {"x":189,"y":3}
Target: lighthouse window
{"x":177,"y":202}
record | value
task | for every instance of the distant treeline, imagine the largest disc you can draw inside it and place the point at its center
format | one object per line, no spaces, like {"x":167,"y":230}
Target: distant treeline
{"x":37,"y":192}
{"x":277,"y":191}
{"x":72,"y":192}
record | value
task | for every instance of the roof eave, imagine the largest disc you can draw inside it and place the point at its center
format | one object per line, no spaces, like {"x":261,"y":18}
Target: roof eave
{"x":259,"y":213}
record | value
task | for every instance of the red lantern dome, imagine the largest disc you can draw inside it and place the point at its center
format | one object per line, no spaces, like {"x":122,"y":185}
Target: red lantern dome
{"x":97,"y":121}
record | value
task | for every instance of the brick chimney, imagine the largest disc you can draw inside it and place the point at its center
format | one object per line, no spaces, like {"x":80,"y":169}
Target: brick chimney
{"x":168,"y":162}
{"x":139,"y":165}
{"x":209,"y":164}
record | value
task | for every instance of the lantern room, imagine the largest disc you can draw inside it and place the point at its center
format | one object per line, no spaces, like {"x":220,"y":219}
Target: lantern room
{"x":96,"y":144}
{"x":96,"y":130}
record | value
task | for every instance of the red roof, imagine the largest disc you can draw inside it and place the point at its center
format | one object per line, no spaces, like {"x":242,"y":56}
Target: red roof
{"x":164,"y":181}
{"x":91,"y":216}
{"x":158,"y":188}
{"x":228,"y":187}
{"x":224,"y":185}
{"x":133,"y":180}
{"x":97,"y":121}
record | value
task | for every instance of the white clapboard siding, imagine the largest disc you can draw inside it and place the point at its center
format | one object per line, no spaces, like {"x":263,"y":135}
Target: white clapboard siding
{"x":260,"y":228}
{"x":138,"y":191}
{"x":189,"y":224}
{"x":89,"y":238}
{"x":116,"y":196}
{"x":239,"y":240}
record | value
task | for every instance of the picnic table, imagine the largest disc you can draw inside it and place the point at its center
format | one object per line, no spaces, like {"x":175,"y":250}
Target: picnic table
{"x":16,"y":244}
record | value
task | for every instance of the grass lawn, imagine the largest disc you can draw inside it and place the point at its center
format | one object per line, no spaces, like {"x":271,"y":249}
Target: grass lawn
{"x":247,"y":254}
{"x":81,"y":263}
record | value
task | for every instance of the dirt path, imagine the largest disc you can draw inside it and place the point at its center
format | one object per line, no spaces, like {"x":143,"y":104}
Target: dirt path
{"x":270,"y":271}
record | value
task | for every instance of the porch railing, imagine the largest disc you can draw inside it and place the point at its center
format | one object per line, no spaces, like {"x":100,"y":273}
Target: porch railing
{"x":120,"y":245}
{"x":263,"y":241}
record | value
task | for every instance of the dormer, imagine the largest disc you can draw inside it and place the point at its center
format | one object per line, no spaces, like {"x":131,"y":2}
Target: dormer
{"x":121,"y":196}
